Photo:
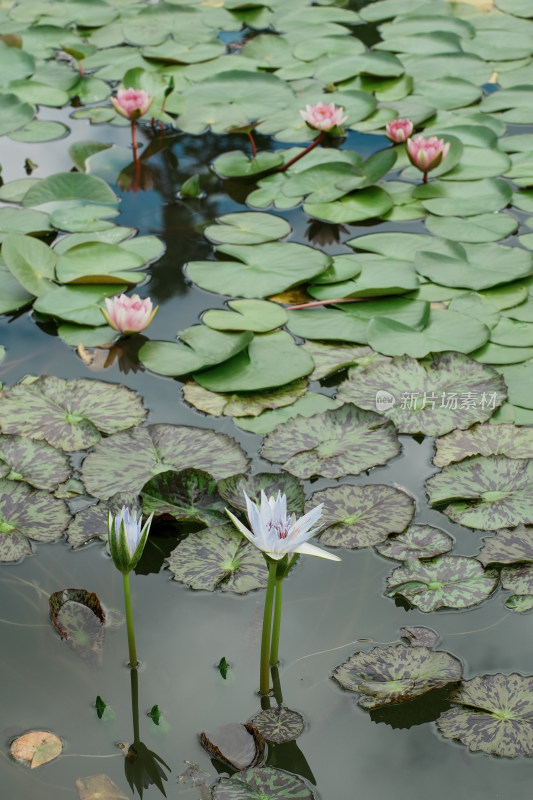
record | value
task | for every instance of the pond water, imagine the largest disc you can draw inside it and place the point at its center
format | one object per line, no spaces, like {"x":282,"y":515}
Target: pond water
{"x":331,"y":610}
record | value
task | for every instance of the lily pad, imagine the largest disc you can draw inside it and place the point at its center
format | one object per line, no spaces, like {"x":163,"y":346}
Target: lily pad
{"x":329,"y":358}
{"x":78,"y":304}
{"x":485,"y":492}
{"x":258,"y":316}
{"x":494,"y":715}
{"x":396,"y":674}
{"x":232,"y":489}
{"x":279,"y":724}
{"x":200,"y":347}
{"x":14,"y":113}
{"x":35,"y":462}
{"x":361,"y":516}
{"x":419,"y":636}
{"x":99,"y":262}
{"x":247,"y":227}
{"x":344,"y":441}
{"x":236,"y":745}
{"x":482,"y":228}
{"x":99,"y":787}
{"x":219,"y":557}
{"x":69,"y":414}
{"x":26,"y":514}
{"x":508,"y":546}
{"x":485,"y":440}
{"x":444,"y":582}
{"x":30,"y":261}
{"x":68,"y":186}
{"x":243,"y":405}
{"x":125,"y":462}
{"x":89,"y":523}
{"x":14,"y":296}
{"x":261,"y":783}
{"x":307,"y":406}
{"x":418,"y":541}
{"x":79,"y":617}
{"x":518,"y":579}
{"x":464,"y":198}
{"x":434,"y":396}
{"x":187,"y":496}
{"x":22,"y":220}
{"x":36,"y":748}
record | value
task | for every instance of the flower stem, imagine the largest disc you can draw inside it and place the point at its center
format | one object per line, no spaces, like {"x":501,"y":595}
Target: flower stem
{"x":425,"y":178}
{"x":252,"y":142}
{"x":274,"y":646}
{"x":129,"y":621}
{"x":135,"y":703}
{"x":308,"y":149}
{"x":264,"y":672}
{"x":134,"y":141}
{"x":318,"y":303}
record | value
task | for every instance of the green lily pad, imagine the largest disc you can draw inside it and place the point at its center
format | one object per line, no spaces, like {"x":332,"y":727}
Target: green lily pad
{"x":271,"y":360}
{"x":443,"y":582}
{"x":67,"y":186}
{"x":81,"y":152}
{"x":232,"y":489}
{"x":14,"y":112}
{"x":86,"y":335}
{"x":261,"y":783}
{"x":377,"y":276}
{"x":36,"y":463}
{"x":512,"y":333}
{"x":442,"y":392}
{"x":258,"y":316}
{"x":22,"y":220}
{"x":13,"y":296}
{"x":395,"y":674}
{"x":244,"y":405}
{"x":28,"y":514}
{"x":219,"y":556}
{"x":361,"y":516}
{"x":327,"y":323}
{"x":508,"y":546}
{"x":187,"y":496}
{"x":83,"y":218}
{"x":79,"y":304}
{"x":40,"y":131}
{"x":307,"y":406}
{"x":519,"y":602}
{"x":30,"y":261}
{"x":202,"y":347}
{"x":262,"y":270}
{"x":484,"y":440}
{"x":98,"y":262}
{"x":465,"y":198}
{"x":330,"y":358}
{"x":247,"y":227}
{"x":69,"y":414}
{"x":14,"y":191}
{"x":519,"y":381}
{"x":237,"y":164}
{"x":125,"y":462}
{"x":344,"y":441}
{"x":418,"y":541}
{"x":354,"y":207}
{"x":487,"y":492}
{"x":494,"y":715}
{"x":279,"y":724}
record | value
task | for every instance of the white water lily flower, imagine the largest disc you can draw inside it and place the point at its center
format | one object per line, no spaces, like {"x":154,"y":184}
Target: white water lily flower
{"x":127,"y":537}
{"x":276,"y":535}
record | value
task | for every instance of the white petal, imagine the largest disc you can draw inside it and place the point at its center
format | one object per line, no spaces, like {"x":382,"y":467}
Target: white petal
{"x":243,"y":529}
{"x":311,"y":550}
{"x":302,"y":529}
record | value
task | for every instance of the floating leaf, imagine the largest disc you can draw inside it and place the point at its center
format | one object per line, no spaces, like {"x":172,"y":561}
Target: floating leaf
{"x":485,"y":440}
{"x":79,"y":617}
{"x":200,"y":347}
{"x":258,"y":316}
{"x":26,"y":514}
{"x":14,"y":113}
{"x":155,"y":714}
{"x":508,"y":546}
{"x":307,"y":406}
{"x":218,"y":556}
{"x":361,"y":516}
{"x":102,"y":709}
{"x":464,"y":198}
{"x":223,"y":667}
{"x":239,"y":746}
{"x":187,"y":496}
{"x":13,"y":296}
{"x":519,"y":381}
{"x":36,"y":748}
{"x":444,"y":582}
{"x":418,"y":541}
{"x":494,"y":715}
{"x":329,"y":358}
{"x":419,"y":636}
{"x":396,"y":674}
{"x":34,"y":462}
{"x":435,"y":396}
{"x":262,"y":783}
{"x":247,"y":227}
{"x":485,"y":492}
{"x":242,"y":405}
{"x":518,"y":579}
{"x":279,"y":724}
{"x":232,"y":489}
{"x":30,"y":261}
{"x":78,"y":304}
{"x":344,"y":441}
{"x":69,"y":414}
{"x":125,"y":462}
{"x":519,"y":602}
{"x":67,"y":186}
{"x":99,"y":262}
{"x":99,"y":787}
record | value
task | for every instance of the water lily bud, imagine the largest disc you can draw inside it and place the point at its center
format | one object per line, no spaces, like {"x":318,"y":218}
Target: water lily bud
{"x":426,"y":154}
{"x":126,"y":538}
{"x":132,"y":103}
{"x":399,"y":130}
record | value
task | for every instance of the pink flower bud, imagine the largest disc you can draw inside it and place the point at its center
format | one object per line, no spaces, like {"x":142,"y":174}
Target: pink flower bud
{"x":426,"y":154}
{"x":324,"y":116}
{"x":399,"y":130}
{"x":128,"y":314}
{"x":132,"y":103}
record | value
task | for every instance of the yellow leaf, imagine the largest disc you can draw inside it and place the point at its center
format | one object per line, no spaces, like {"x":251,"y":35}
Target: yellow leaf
{"x":99,"y":787}
{"x":36,"y":748}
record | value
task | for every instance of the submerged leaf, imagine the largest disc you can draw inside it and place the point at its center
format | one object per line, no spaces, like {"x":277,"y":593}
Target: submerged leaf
{"x":99,"y":787}
{"x":79,"y":617}
{"x":239,"y":746}
{"x":187,"y":496}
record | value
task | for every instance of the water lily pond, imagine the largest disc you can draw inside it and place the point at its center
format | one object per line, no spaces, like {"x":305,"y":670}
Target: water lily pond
{"x":256,"y":250}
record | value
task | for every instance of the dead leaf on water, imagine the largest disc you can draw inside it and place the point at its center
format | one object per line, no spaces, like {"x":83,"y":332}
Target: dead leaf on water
{"x":99,"y":787}
{"x":36,"y":748}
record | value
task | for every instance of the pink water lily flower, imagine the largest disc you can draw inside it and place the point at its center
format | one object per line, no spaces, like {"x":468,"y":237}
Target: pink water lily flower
{"x":426,"y":154}
{"x":276,"y":535}
{"x":324,"y":116}
{"x":128,"y":314}
{"x":132,"y":103}
{"x":399,"y":130}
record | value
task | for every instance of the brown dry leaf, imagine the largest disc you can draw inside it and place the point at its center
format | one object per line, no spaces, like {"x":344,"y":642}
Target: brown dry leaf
{"x":99,"y":787}
{"x":291,"y":297}
{"x":36,"y":748}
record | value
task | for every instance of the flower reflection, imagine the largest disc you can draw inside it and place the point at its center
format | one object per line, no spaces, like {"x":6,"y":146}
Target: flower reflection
{"x":324,"y":233}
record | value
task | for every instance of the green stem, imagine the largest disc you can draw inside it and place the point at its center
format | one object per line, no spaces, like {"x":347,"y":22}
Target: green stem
{"x":129,"y":621}
{"x":276,"y":686}
{"x":264,"y":671}
{"x":274,"y":646}
{"x":135,"y":703}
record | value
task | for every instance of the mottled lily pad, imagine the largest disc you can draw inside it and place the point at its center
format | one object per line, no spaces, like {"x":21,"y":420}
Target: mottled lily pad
{"x":69,"y":414}
{"x":79,"y":617}
{"x":36,"y":748}
{"x":419,"y":636}
{"x":250,"y":404}
{"x":361,"y":516}
{"x":343,"y":441}
{"x":89,"y":523}
{"x":508,"y":546}
{"x":125,"y":462}
{"x":418,"y":541}
{"x":239,"y":746}
{"x":486,"y":440}
{"x":444,"y":582}
{"x":187,"y":496}
{"x":329,"y":358}
{"x":26,"y":514}
{"x":279,"y":724}
{"x":219,"y":557}
{"x":434,"y":396}
{"x":232,"y":489}
{"x":485,"y":492}
{"x":34,"y":462}
{"x":518,"y":579}
{"x":495,"y":715}
{"x":396,"y":674}
{"x":262,"y":783}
